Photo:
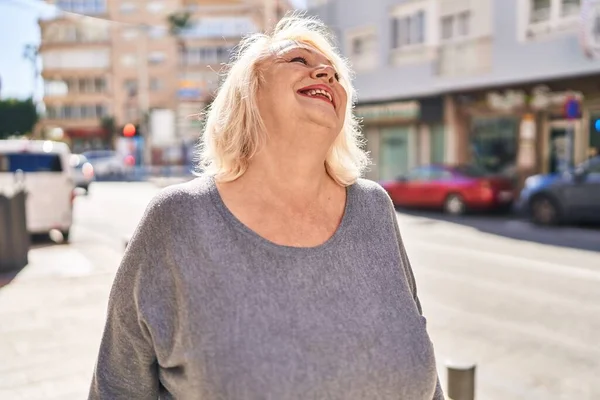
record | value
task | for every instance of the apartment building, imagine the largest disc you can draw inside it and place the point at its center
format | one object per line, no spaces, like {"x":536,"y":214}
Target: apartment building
{"x":483,"y":82}
{"x":144,"y":67}
{"x":77,"y":60}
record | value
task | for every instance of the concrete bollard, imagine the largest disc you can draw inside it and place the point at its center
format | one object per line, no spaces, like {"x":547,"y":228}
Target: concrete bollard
{"x":461,"y":381}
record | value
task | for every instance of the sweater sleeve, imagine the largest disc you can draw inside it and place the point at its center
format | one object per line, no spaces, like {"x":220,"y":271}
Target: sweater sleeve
{"x":127,"y":366}
{"x":439,"y":394}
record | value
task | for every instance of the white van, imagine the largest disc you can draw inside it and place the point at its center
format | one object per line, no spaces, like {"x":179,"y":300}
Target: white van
{"x":44,"y":170}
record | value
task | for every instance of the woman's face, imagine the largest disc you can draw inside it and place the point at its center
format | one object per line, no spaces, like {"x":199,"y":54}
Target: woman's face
{"x":300,"y":86}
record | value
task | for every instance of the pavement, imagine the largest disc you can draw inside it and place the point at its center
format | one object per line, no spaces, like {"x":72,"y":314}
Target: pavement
{"x":520,"y":302}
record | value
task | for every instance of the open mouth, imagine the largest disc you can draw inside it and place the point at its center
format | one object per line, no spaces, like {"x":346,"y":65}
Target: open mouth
{"x":317,"y":93}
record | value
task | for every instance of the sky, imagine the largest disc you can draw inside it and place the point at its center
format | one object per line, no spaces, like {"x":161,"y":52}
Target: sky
{"x":18,"y":27}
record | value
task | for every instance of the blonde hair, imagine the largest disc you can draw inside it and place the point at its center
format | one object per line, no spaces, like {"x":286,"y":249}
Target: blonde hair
{"x":234,"y":130}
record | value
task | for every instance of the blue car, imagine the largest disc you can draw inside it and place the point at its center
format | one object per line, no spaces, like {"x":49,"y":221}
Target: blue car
{"x":573,"y":196}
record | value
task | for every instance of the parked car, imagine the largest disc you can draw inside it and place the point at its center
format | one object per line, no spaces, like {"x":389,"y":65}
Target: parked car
{"x":454,"y":189}
{"x":573,"y":196}
{"x":108,"y":163}
{"x":44,"y":170}
{"x":83,"y":171}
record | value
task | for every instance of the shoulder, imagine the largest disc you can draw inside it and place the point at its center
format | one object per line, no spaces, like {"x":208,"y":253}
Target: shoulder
{"x":180,"y":197}
{"x":175,"y":204}
{"x":372,"y":192}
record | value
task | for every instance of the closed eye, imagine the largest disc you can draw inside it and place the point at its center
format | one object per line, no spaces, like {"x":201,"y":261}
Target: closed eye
{"x":300,"y":60}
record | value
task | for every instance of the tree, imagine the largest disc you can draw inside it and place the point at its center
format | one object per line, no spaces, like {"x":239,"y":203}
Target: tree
{"x":178,"y":23}
{"x":30,"y":53}
{"x":17,"y":117}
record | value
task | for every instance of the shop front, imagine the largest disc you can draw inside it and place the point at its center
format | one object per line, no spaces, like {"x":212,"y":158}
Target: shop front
{"x":401,"y":135}
{"x":522,"y":131}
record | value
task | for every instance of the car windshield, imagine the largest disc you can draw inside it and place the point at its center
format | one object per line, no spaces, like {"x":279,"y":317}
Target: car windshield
{"x":96,"y":155}
{"x":471,"y":171}
{"x":30,"y":162}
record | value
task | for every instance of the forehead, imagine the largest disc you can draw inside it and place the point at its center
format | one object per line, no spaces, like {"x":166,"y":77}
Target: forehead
{"x":287,"y":46}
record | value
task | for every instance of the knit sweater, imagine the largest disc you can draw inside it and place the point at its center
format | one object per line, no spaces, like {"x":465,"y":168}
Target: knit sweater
{"x":204,"y":308}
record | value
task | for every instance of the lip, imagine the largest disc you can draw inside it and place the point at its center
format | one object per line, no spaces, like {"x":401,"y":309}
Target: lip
{"x":322,"y":87}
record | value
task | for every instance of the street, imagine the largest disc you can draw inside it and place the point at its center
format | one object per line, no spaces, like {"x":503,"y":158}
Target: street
{"x":522,"y":303}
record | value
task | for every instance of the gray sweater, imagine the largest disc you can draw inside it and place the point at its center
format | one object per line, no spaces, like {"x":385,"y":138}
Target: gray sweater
{"x":204,"y":308}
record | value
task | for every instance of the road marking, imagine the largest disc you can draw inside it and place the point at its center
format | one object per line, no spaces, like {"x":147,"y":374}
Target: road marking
{"x":570,"y":271}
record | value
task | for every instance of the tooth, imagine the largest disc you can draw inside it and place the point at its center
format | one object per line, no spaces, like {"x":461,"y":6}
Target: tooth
{"x":312,"y":92}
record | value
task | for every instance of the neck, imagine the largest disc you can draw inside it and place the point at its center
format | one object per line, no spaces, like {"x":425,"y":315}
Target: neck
{"x":288,"y":177}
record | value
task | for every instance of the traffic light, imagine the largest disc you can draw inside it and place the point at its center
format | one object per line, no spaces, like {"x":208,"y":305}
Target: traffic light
{"x":129,"y":130}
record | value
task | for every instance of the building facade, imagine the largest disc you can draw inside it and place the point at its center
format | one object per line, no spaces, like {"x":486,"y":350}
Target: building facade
{"x":126,"y":62}
{"x":504,"y":84}
{"x":77,"y":73}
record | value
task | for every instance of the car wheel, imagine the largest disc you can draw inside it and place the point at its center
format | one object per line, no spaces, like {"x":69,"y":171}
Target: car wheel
{"x":544,"y":211}
{"x":455,"y":205}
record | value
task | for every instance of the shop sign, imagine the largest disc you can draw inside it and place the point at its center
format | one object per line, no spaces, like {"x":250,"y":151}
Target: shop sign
{"x":405,"y":110}
{"x":590,"y":26}
{"x":507,"y":101}
{"x":541,"y":98}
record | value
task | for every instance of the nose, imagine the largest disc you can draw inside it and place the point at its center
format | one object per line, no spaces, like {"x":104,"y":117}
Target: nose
{"x":325,"y":72}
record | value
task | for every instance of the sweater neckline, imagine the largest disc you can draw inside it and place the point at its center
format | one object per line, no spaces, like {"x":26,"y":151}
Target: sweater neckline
{"x":294,"y":250}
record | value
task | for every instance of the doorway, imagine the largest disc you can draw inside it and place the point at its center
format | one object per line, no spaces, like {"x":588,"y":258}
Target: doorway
{"x":561,"y":145}
{"x":394,"y":151}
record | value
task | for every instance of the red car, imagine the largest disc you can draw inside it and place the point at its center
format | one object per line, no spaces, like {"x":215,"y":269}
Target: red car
{"x":455,"y":189}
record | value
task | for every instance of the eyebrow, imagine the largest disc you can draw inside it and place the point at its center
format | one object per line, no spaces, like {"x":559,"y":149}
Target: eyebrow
{"x":305,"y":48}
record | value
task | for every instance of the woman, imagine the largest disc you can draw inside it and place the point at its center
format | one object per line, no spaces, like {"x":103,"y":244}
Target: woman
{"x":278,"y":274}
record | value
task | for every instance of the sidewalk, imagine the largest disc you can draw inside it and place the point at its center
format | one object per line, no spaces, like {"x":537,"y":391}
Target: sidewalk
{"x":52,"y":317}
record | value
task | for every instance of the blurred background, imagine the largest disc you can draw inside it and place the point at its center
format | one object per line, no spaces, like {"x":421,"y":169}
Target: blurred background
{"x":482,"y":118}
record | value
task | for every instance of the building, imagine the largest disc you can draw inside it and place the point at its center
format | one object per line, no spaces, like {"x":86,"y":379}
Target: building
{"x":118,"y":62}
{"x":77,"y":62}
{"x":483,"y":82}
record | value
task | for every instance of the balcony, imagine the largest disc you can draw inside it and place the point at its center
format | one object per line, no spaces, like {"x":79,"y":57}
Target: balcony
{"x":465,"y":57}
{"x":411,"y":55}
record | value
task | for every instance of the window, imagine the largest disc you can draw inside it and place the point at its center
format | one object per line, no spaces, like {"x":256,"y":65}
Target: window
{"x":88,"y":7}
{"x":129,"y":60}
{"x":456,"y":26}
{"x":56,"y":88}
{"x":130,"y":86}
{"x":363,"y":49}
{"x":156,"y":85}
{"x":209,"y":55}
{"x":493,"y":144}
{"x":463,"y":23}
{"x":540,"y":11}
{"x":447,"y":27}
{"x":570,"y":7}
{"x":86,"y":85}
{"x":30,"y":162}
{"x":87,"y":112}
{"x":156,"y":57}
{"x":155,"y":7}
{"x":218,"y":27}
{"x":419,"y":174}
{"x":408,"y":30}
{"x":156,"y":32}
{"x":419,"y":26}
{"x":101,"y":111}
{"x":127,"y":8}
{"x":99,"y":85}
{"x":130,"y":33}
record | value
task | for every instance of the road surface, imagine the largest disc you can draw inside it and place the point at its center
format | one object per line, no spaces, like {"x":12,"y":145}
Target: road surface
{"x":523,"y":303}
